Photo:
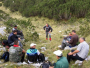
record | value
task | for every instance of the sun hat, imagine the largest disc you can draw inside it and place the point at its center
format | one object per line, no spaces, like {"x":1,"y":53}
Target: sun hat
{"x":32,"y":44}
{"x":58,"y":53}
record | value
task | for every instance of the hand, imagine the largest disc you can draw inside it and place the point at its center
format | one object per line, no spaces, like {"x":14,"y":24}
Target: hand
{"x":67,"y":41}
{"x":49,"y":31}
{"x":70,"y":53}
{"x":51,"y":67}
{"x":19,"y":38}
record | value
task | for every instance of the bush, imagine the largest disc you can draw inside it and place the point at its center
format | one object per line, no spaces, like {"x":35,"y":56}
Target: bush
{"x":84,"y":29}
{"x":57,"y":9}
{"x":27,"y":25}
{"x":0,"y":4}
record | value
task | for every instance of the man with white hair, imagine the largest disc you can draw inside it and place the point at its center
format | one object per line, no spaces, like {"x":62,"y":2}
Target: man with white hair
{"x":32,"y":53}
{"x":61,"y":62}
{"x":81,"y":52}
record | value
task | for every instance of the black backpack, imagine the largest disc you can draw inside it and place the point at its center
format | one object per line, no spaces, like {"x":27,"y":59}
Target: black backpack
{"x":41,"y":57}
{"x":44,"y":65}
{"x":5,"y":56}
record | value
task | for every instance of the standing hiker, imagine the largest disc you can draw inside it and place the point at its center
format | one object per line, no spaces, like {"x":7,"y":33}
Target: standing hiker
{"x":48,"y":30}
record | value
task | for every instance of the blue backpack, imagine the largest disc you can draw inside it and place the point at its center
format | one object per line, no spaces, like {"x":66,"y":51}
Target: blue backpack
{"x":5,"y":56}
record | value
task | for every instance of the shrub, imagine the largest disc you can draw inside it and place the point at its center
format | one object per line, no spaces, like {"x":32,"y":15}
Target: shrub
{"x":56,"y":9}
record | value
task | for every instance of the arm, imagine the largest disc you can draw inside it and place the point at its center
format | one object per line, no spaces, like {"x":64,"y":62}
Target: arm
{"x":71,"y":41}
{"x":71,"y":53}
{"x":51,"y":29}
{"x":38,"y":52}
{"x":23,"y":50}
{"x":44,"y":27}
{"x":76,"y":51}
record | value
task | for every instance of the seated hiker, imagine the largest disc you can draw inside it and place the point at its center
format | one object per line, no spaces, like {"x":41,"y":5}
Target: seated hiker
{"x":12,"y":37}
{"x":16,"y":53}
{"x":61,"y":62}
{"x":70,"y":42}
{"x":5,"y":44}
{"x":19,"y":33}
{"x":81,"y":52}
{"x":33,"y":54}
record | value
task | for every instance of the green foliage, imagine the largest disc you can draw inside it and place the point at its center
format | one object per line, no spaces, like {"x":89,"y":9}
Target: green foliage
{"x":3,"y":16}
{"x":84,"y":29}
{"x":27,"y":25}
{"x":0,"y":4}
{"x":56,"y":9}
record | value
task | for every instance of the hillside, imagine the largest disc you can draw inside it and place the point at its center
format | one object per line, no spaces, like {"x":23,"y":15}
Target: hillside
{"x":60,"y":28}
{"x":53,"y":9}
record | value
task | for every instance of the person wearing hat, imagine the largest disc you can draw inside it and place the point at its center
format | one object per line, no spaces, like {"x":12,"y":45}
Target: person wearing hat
{"x":15,"y":28}
{"x":32,"y":53}
{"x":61,"y":62}
{"x":19,"y":33}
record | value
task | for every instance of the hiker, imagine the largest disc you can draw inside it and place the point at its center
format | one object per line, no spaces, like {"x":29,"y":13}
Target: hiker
{"x":68,"y":38}
{"x":19,"y":33}
{"x":5,"y":44}
{"x":12,"y":37}
{"x":81,"y":52}
{"x":72,"y":42}
{"x":47,"y":29}
{"x":61,"y":62}
{"x":33,"y":54}
{"x":16,"y":53}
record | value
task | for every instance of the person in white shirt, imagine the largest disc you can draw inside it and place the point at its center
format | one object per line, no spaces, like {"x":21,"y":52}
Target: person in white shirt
{"x":81,"y":52}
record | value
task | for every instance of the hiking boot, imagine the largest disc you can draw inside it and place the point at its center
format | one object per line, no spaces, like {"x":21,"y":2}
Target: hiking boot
{"x":46,"y":38}
{"x":50,"y":39}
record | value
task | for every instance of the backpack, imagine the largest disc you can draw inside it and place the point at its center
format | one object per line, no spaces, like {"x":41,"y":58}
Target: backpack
{"x":5,"y":56}
{"x":45,"y":65}
{"x":41,"y":57}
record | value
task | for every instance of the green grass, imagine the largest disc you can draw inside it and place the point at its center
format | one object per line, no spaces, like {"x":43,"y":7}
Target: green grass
{"x":57,"y":37}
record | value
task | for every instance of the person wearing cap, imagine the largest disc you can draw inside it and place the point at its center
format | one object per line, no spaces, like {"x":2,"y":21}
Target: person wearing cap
{"x":61,"y":62}
{"x":81,"y":52}
{"x":15,"y":28}
{"x":32,"y":53}
{"x":19,"y":33}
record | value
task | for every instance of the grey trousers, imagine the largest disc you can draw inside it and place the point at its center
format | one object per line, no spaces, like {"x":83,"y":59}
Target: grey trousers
{"x":64,"y":43}
{"x":47,"y":35}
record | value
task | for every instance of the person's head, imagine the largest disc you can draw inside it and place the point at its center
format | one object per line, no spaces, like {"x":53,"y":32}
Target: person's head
{"x":16,"y":42}
{"x":58,"y":54}
{"x":70,"y":34}
{"x":46,"y":25}
{"x":15,"y":26}
{"x":15,"y":32}
{"x":81,"y":39}
{"x":73,"y":32}
{"x":32,"y":45}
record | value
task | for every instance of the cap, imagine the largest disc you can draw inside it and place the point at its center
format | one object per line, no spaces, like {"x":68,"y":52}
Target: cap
{"x":58,"y":53}
{"x":32,"y":44}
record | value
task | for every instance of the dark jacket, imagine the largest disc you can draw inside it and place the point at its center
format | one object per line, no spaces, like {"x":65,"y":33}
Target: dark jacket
{"x":47,"y":28}
{"x":11,"y":38}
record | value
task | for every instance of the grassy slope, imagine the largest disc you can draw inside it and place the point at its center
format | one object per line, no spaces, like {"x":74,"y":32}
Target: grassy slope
{"x":56,"y":36}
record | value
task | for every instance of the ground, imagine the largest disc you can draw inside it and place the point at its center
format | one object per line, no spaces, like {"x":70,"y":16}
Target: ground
{"x":59,"y":30}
